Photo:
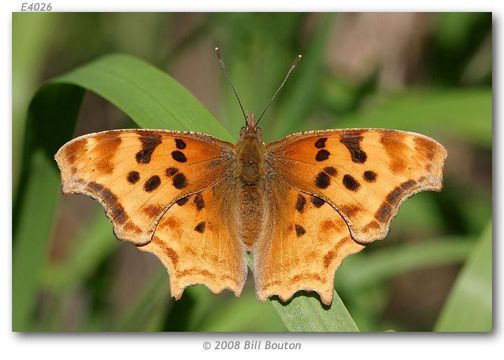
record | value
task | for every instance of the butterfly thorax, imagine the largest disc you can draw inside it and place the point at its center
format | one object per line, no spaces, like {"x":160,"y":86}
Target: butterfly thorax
{"x":250,"y":172}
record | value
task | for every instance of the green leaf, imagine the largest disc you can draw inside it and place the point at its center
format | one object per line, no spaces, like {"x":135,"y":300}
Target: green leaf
{"x":32,"y":240}
{"x":28,"y":59}
{"x":469,"y":305}
{"x":148,"y":95}
{"x":463,"y":113}
{"x":306,"y":314}
{"x":366,"y":269}
{"x":245,"y":313}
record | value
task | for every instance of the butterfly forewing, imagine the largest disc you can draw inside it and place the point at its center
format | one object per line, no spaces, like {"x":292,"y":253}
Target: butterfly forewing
{"x":137,"y":174}
{"x":363,"y":173}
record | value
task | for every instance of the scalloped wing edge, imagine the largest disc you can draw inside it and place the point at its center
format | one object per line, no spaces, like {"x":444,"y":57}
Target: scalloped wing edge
{"x":179,"y":284}
{"x":326,"y":290}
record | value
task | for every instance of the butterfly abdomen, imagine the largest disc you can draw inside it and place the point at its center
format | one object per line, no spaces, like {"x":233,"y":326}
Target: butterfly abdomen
{"x":251,"y":214}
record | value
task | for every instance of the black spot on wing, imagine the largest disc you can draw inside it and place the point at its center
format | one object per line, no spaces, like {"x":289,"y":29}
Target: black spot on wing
{"x":152,"y":183}
{"x":352,"y":142}
{"x":180,"y":144}
{"x":200,"y":227}
{"x":149,"y":140}
{"x":300,"y":231}
{"x":369,"y":176}
{"x":181,"y":202}
{"x":322,"y":155}
{"x":300,"y":203}
{"x":322,"y":181}
{"x":179,"y":181}
{"x":350,"y":183}
{"x":178,"y":156}
{"x":320,"y":143}
{"x":133,"y":177}
{"x":316,"y":201}
{"x":198,"y":201}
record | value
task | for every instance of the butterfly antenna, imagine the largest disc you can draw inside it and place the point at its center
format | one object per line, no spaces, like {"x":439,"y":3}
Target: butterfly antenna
{"x":294,"y":64}
{"x":221,"y":62}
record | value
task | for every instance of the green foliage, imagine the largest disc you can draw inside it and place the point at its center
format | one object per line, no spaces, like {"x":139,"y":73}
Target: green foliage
{"x":361,"y":271}
{"x":306,"y":314}
{"x":32,"y":239}
{"x":433,"y":110}
{"x":469,"y":306}
{"x":436,"y":230}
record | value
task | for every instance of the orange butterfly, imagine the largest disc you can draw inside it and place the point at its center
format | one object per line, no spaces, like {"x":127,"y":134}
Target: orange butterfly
{"x":299,"y":205}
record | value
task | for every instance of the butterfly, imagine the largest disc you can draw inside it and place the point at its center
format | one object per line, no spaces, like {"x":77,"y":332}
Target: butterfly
{"x":299,"y":205}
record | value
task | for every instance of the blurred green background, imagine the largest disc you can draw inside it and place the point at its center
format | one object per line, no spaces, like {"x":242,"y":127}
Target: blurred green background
{"x":424,"y":72}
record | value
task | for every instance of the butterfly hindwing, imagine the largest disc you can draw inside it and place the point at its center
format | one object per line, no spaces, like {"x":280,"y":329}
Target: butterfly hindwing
{"x":363,"y":173}
{"x":197,"y":242}
{"x":305,"y":242}
{"x":137,"y":174}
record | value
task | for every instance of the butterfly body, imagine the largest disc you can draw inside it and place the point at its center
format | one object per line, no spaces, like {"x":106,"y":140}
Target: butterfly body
{"x":250,"y":170}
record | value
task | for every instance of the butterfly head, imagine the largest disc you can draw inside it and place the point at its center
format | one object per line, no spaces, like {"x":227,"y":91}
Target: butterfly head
{"x":250,"y":128}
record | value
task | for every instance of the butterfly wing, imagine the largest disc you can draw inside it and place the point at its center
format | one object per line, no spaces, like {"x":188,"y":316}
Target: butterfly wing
{"x":364,"y":174}
{"x":163,"y":191}
{"x":331,"y":192}
{"x":303,"y":245}
{"x":196,"y":240}
{"x":137,"y":174}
